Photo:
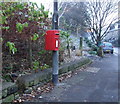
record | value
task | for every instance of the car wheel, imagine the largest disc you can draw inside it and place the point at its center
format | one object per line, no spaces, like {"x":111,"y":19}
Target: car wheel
{"x":111,"y":52}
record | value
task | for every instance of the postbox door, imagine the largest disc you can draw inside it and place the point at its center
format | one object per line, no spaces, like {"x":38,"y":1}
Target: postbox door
{"x":52,"y":40}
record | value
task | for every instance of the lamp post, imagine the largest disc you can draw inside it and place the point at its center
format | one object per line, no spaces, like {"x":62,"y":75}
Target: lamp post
{"x":55,"y":58}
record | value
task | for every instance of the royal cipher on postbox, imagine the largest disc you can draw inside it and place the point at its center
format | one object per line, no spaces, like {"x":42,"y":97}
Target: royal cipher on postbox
{"x":52,"y":41}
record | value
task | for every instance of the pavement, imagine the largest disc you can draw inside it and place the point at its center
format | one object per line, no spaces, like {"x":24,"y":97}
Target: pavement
{"x":97,"y":83}
{"x":116,"y":51}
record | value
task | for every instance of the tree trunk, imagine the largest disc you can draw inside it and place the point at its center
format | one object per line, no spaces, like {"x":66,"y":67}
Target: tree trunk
{"x":77,"y":31}
{"x":81,"y":44}
{"x":98,"y":40}
{"x":30,"y":53}
{"x":100,"y":52}
{"x":69,"y":50}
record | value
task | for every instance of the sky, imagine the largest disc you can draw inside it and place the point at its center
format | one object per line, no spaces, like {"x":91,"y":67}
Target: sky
{"x":49,"y":5}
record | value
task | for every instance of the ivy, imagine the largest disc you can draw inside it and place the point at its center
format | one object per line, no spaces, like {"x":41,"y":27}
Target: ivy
{"x":66,"y":36}
{"x":67,"y":40}
{"x":35,"y":37}
{"x":20,"y":26}
{"x":35,"y":65}
{"x":91,"y":44}
{"x":1,"y":39}
{"x":3,"y":21}
{"x":42,"y":52}
{"x":46,"y":14}
{"x":5,"y":28}
{"x":45,"y":66}
{"x":11,"y":46}
{"x":42,"y":7}
{"x":20,"y":6}
{"x":20,"y":23}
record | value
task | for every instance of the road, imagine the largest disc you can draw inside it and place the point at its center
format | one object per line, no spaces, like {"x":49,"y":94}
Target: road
{"x":97,"y":83}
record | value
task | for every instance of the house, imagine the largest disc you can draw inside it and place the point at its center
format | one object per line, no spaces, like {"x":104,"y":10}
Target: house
{"x":113,"y":33}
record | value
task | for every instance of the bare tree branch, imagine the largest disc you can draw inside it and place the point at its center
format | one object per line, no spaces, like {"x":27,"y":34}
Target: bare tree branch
{"x":99,"y":13}
{"x":63,"y":11}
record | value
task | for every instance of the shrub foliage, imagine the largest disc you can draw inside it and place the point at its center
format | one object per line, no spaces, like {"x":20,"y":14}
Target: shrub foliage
{"x":23,"y":27}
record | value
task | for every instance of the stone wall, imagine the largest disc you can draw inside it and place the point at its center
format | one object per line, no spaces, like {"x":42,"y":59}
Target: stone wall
{"x":10,"y":91}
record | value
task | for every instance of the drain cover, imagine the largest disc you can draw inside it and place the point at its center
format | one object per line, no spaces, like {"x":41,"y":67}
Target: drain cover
{"x":93,"y":69}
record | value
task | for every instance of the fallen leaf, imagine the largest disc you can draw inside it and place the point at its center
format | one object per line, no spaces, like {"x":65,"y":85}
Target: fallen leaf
{"x":40,"y":97}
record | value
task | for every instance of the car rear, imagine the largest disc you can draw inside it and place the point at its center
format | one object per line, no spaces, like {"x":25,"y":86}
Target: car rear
{"x":107,"y":47}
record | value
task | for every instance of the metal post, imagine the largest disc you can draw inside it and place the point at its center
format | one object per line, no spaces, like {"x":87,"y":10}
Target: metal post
{"x":81,"y":44}
{"x":55,"y":61}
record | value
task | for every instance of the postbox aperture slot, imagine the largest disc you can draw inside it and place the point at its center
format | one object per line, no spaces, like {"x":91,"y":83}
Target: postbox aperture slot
{"x":57,"y":34}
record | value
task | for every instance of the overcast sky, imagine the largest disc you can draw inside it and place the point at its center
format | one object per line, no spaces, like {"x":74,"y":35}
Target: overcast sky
{"x":49,"y":5}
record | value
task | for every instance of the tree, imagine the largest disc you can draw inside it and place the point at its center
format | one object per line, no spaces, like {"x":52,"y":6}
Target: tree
{"x":102,"y":15}
{"x":75,"y":17}
{"x":62,"y":8}
{"x":65,"y":36}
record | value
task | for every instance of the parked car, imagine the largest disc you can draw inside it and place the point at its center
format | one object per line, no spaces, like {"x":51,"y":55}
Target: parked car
{"x":107,"y":47}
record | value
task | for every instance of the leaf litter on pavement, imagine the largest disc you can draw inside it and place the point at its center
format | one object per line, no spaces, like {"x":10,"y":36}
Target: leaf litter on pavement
{"x":46,"y":88}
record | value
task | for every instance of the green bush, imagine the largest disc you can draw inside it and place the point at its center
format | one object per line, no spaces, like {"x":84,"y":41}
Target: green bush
{"x":92,"y":52}
{"x":91,"y":44}
{"x":23,"y":25}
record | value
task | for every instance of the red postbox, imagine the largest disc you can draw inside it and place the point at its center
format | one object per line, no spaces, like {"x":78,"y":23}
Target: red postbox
{"x":52,"y":41}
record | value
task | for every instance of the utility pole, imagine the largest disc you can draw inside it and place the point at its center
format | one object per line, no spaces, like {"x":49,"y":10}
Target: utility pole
{"x":55,"y":57}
